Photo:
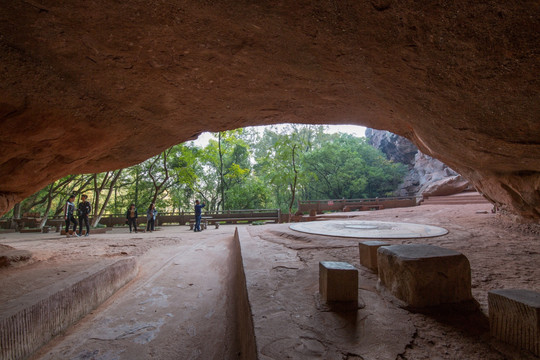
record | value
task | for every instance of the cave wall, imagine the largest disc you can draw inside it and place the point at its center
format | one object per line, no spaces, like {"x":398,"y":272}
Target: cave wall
{"x":88,"y":86}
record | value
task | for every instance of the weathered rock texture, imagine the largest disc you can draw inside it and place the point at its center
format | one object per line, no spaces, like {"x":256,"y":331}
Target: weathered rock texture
{"x":458,"y":79}
{"x":23,"y":331}
{"x":424,"y":275}
{"x":338,"y":283}
{"x":514,"y":317}
{"x":367,"y":251}
{"x":9,"y":255}
{"x":426,"y":176}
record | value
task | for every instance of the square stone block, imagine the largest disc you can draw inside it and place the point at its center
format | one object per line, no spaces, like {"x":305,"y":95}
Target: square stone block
{"x":338,"y":282}
{"x":514,"y":317}
{"x":368,"y":253}
{"x":424,"y":275}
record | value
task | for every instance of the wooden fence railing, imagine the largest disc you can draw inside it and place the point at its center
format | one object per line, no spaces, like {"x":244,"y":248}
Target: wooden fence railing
{"x":181,"y":218}
{"x":320,"y":206}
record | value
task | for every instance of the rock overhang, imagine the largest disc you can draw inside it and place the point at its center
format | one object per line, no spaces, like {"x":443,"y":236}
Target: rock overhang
{"x":459,"y":80}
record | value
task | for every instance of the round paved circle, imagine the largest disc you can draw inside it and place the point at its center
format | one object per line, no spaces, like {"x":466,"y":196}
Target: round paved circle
{"x":369,"y":229}
{"x":363,"y":227}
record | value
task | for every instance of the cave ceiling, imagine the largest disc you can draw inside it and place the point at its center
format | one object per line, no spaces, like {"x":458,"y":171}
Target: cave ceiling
{"x":89,"y":86}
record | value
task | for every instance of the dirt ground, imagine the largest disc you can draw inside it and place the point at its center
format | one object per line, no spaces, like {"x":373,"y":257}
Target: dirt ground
{"x":502,"y":254}
{"x":281,"y":272}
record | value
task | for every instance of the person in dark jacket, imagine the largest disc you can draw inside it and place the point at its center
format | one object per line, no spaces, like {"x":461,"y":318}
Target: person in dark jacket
{"x":83,"y":211}
{"x":198,"y":215}
{"x":69,"y":209}
{"x":131,"y":216}
{"x":151,"y":214}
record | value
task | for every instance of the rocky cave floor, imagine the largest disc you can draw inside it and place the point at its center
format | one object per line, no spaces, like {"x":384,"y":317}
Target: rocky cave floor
{"x":281,"y":269}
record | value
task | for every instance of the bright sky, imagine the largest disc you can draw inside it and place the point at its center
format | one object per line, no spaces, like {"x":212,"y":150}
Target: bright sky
{"x":358,"y":131}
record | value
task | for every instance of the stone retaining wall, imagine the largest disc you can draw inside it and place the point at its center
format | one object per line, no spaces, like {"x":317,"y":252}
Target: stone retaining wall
{"x":244,"y":333}
{"x":22,"y":332}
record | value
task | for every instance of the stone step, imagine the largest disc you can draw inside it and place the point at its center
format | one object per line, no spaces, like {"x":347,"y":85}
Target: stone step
{"x":459,"y":199}
{"x":188,"y":301}
{"x":448,"y":202}
{"x":30,"y":321}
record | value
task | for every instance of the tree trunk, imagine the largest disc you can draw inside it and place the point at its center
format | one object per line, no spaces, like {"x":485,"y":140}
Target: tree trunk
{"x":98,"y":216}
{"x":159,"y":188}
{"x":48,"y":208}
{"x":136,"y":185}
{"x":17,"y":211}
{"x":16,"y":215}
{"x":293,"y":185}
{"x":221,"y":177}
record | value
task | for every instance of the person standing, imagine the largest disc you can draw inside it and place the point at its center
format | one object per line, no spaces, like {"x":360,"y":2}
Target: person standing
{"x":198,"y":215}
{"x":131,"y":217}
{"x":83,"y":211}
{"x":151,"y":214}
{"x":69,"y":209}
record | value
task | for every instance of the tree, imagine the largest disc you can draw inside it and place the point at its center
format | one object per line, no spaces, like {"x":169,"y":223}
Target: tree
{"x":108,"y":181}
{"x":160,"y":183}
{"x":238,"y":169}
{"x":226,"y":164}
{"x":280,"y":161}
{"x":348,"y":167}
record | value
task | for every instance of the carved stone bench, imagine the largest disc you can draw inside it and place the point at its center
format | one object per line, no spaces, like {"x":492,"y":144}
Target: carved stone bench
{"x":368,"y":253}
{"x":514,"y":317}
{"x":338,"y":284}
{"x":424,"y":275}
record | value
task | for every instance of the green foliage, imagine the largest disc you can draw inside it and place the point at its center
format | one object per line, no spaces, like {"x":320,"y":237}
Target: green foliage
{"x":348,"y":167}
{"x":238,"y":169}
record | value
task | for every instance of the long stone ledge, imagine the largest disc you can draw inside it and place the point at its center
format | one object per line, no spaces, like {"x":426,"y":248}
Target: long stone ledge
{"x":23,"y":331}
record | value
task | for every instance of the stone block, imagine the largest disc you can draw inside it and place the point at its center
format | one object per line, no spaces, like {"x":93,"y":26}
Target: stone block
{"x":338,"y":283}
{"x":368,"y":253}
{"x":42,"y":315}
{"x":514,"y":317}
{"x":424,"y":275}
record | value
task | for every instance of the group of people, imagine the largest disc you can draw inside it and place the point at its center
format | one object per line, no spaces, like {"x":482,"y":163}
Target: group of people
{"x":132,"y":215}
{"x":84,"y":209}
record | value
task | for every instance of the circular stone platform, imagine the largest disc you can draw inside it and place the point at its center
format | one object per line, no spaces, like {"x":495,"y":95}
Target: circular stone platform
{"x":369,"y":229}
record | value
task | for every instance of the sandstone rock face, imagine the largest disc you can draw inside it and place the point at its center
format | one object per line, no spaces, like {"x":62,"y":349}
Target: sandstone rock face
{"x":424,"y":275}
{"x":9,"y":255}
{"x":338,"y":283}
{"x":395,"y":147}
{"x":514,"y":317}
{"x":426,"y":176}
{"x":460,"y":80}
{"x":446,"y":186}
{"x":367,"y":251}
{"x":24,"y":329}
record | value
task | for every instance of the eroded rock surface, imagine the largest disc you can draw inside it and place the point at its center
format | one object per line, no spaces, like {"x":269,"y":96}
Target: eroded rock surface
{"x":426,"y":176}
{"x":9,"y":255}
{"x":458,"y":79}
{"x":424,"y":275}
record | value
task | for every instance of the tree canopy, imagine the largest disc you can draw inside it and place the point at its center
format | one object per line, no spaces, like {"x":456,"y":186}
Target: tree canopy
{"x":237,"y":169}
